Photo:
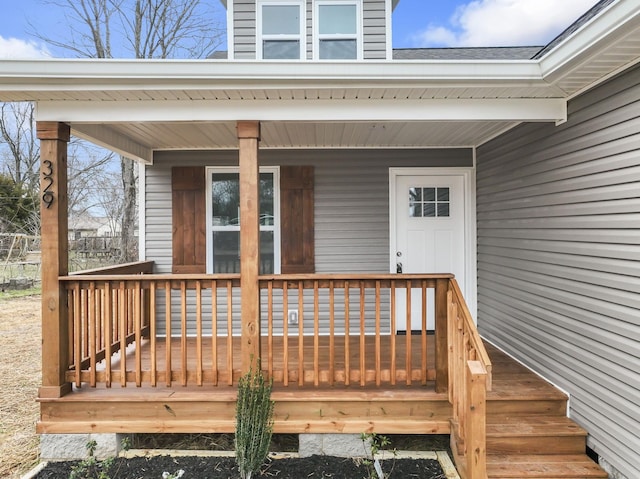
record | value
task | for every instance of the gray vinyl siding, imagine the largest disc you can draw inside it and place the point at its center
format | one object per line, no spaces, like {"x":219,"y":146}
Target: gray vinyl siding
{"x":558,"y":213}
{"x":244,"y":29}
{"x":374,"y":29}
{"x":351,"y":215}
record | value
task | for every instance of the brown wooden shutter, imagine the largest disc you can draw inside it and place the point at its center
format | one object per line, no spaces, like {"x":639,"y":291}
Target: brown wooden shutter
{"x":189,"y":219}
{"x":297,"y":220}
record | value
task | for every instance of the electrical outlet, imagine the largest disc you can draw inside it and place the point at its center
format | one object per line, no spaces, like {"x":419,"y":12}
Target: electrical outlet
{"x":292,"y":316}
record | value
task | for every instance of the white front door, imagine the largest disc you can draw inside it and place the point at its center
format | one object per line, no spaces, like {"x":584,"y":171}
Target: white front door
{"x":429,"y":236}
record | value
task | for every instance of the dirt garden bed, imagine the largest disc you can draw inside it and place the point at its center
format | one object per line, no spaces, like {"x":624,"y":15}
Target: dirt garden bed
{"x":20,"y":378}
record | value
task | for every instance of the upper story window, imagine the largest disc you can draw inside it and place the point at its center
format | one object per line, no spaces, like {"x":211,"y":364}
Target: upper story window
{"x":337,"y":30}
{"x":281,"y":30}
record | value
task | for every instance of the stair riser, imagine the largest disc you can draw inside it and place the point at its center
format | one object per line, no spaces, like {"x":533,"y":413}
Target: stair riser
{"x":527,"y":408}
{"x":536,"y":445}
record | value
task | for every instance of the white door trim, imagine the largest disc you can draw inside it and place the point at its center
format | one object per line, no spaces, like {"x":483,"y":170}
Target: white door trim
{"x":469,"y":179}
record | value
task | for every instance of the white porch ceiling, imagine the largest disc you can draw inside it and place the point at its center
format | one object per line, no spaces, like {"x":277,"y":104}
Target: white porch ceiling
{"x":222,"y":135}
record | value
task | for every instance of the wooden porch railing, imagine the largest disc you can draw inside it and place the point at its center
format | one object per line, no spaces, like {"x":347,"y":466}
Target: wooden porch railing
{"x":345,"y":329}
{"x":469,"y":381}
{"x":186,"y":328}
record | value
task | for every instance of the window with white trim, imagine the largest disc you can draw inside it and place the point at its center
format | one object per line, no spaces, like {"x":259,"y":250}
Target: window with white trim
{"x":223,"y":220}
{"x":337,"y":30}
{"x":281,"y":30}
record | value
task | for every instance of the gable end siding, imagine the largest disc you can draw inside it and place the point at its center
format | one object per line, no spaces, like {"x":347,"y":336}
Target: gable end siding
{"x":374,"y":29}
{"x":559,"y":259}
{"x":244,"y":29}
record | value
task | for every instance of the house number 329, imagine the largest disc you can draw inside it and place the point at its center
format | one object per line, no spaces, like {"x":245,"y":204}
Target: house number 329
{"x":47,"y":183}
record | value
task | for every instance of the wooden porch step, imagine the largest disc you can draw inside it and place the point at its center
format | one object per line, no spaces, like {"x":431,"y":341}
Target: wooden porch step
{"x":555,"y":466}
{"x":534,"y":435}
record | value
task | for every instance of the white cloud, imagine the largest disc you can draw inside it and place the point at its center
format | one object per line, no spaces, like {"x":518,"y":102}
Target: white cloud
{"x":13,"y":48}
{"x":504,"y":23}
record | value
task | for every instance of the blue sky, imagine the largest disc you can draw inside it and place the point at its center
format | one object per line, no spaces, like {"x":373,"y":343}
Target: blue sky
{"x":416,"y":23}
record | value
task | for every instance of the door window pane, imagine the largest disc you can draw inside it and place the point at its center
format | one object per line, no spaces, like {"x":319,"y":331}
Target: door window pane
{"x":429,"y":202}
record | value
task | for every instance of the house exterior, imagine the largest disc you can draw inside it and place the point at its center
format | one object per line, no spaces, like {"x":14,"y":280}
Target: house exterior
{"x":318,"y":186}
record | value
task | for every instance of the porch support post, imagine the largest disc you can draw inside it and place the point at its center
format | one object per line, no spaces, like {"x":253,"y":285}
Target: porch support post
{"x":54,"y":138}
{"x":248,"y":139}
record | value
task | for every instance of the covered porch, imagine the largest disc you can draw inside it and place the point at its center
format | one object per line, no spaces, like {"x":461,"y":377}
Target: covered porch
{"x":119,"y":340}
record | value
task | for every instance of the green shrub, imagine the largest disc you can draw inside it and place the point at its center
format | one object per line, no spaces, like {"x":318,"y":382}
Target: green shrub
{"x":254,"y":421}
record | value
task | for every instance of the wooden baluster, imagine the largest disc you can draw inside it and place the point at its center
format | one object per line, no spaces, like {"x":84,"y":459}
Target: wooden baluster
{"x":393,"y":332}
{"x":108,"y":328}
{"x":332,"y":333}
{"x":124,"y":303}
{"x":316,"y":335}
{"x":270,"y":330}
{"x":347,"y":334}
{"x":285,"y":334}
{"x":77,"y":330}
{"x":199,"y":333}
{"x":137,"y":319}
{"x":99,"y":314}
{"x":378,"y":346}
{"x":183,"y":332}
{"x":70,"y":328}
{"x":423,"y":368}
{"x":230,"y":332}
{"x":167,"y":320}
{"x":300,"y":334}
{"x":84,"y":293}
{"x":153,"y":333}
{"x":408,"y":333}
{"x":214,"y":331}
{"x":91,"y":326}
{"x":363,"y":365}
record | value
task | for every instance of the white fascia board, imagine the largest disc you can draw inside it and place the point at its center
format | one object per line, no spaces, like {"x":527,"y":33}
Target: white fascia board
{"x":305,"y":110}
{"x":86,"y":75}
{"x":106,"y":137}
{"x":614,"y":22}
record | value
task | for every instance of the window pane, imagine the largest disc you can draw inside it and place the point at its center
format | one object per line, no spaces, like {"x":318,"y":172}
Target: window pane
{"x":429,"y":194}
{"x":338,"y":49}
{"x":280,"y":20}
{"x":266,"y":252}
{"x":338,"y":19}
{"x":266,"y":199}
{"x":281,"y":49}
{"x":225,"y":189}
{"x":443,"y":209}
{"x":443,"y":194}
{"x":415,"y":210}
{"x":415,"y":194}
{"x":226,"y":252}
{"x":429,"y":210}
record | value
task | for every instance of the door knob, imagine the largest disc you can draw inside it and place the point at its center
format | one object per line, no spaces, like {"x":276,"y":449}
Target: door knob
{"x":398,"y":267}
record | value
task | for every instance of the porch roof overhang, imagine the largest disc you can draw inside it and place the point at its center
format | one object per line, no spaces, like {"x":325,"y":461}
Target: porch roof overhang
{"x":137,"y":106}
